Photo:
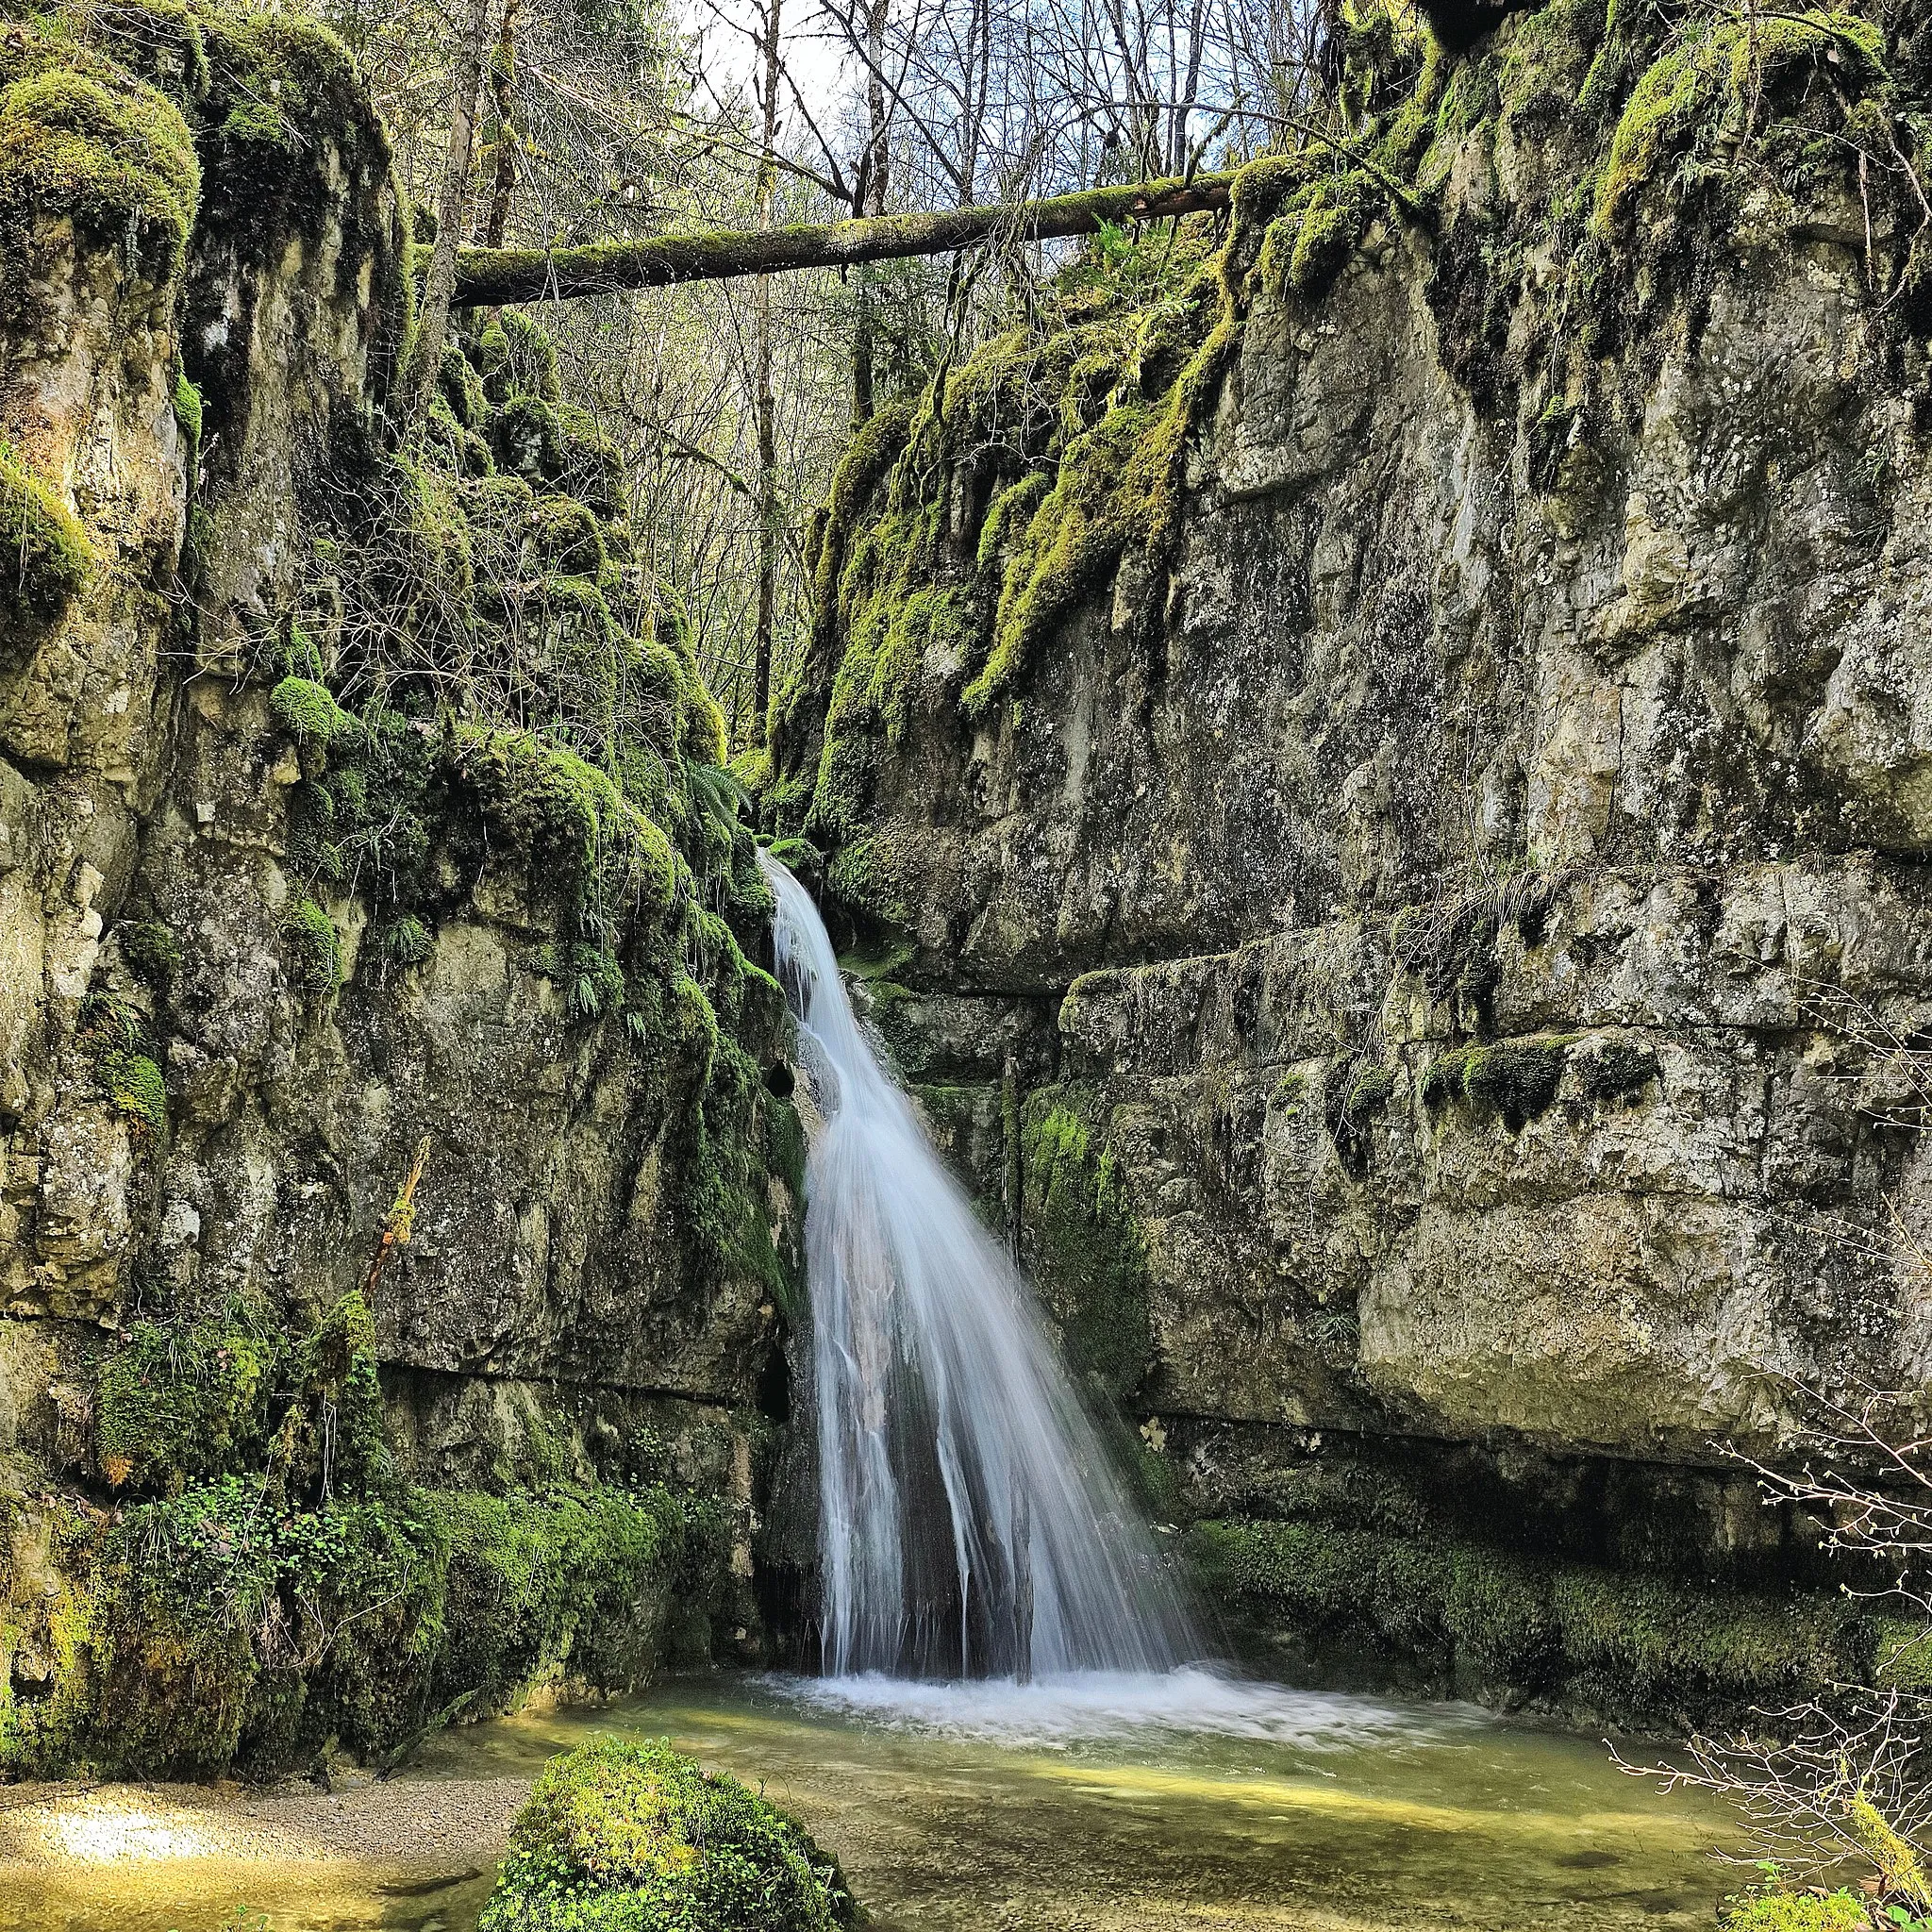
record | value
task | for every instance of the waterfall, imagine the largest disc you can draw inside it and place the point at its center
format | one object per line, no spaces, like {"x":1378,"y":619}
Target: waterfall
{"x":969,"y":1523}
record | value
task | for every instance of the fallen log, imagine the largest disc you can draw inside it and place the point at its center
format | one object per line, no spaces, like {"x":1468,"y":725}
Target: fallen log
{"x":486,"y":276}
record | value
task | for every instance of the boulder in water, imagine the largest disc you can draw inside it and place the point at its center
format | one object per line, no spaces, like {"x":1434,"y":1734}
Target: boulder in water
{"x":624,"y":1836}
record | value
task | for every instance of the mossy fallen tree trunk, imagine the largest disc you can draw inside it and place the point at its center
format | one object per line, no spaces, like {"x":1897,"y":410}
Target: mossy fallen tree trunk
{"x":490,"y":276}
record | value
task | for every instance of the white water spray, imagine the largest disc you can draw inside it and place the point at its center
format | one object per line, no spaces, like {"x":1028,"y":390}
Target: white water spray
{"x":970,"y":1526}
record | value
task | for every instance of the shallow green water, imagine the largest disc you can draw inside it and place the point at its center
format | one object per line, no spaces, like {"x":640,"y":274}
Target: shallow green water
{"x":991,"y":1811}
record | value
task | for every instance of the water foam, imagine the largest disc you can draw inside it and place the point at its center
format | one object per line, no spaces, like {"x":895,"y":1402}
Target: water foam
{"x":1117,"y":1707}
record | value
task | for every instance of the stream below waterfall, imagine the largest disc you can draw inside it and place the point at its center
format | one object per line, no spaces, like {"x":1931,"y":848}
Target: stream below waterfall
{"x":1102,"y":1806}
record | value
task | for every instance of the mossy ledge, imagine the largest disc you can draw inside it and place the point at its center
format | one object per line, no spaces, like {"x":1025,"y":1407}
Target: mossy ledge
{"x":1457,"y":1616}
{"x":268,"y":1588}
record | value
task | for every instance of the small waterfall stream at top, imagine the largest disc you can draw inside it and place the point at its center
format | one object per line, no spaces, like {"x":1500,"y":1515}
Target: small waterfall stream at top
{"x":970,"y":1526}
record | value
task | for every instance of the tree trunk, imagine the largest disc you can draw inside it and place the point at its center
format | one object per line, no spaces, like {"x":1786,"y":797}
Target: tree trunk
{"x":439,"y":285}
{"x":767,"y":399}
{"x":534,"y":274}
{"x":503,"y":80}
{"x":873,"y":203}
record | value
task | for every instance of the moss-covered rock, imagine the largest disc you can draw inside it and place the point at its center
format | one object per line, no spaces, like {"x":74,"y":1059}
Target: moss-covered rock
{"x":233,"y":1621}
{"x":45,"y":558}
{"x":182,"y":1400}
{"x":1631,"y":1647}
{"x":313,"y":948}
{"x":637,"y":1836}
{"x":1083,"y":1243}
{"x":306,"y":711}
{"x":1517,"y":1079}
{"x":82,"y":140}
{"x":229,"y":1535}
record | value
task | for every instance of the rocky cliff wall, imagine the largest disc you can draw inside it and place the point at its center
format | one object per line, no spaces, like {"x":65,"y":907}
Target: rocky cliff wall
{"x":1379,"y":784}
{"x":279,"y":910}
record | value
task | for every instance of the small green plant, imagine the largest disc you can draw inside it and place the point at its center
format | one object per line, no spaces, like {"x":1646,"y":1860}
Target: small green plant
{"x":406,"y":942}
{"x":114,"y":1036}
{"x":151,"y":952}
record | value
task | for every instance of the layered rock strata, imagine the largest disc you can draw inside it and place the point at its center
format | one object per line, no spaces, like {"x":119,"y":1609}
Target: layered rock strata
{"x":1380,"y":790}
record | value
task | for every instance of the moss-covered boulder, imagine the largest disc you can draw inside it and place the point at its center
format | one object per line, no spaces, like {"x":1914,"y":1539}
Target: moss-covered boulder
{"x":622,"y":1837}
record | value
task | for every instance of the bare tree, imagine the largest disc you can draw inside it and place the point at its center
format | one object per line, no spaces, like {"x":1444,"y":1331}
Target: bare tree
{"x":439,"y":284}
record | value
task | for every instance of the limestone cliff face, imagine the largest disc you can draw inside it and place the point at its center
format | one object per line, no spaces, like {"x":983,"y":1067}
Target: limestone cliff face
{"x":1402,"y":799}
{"x":257,"y":952}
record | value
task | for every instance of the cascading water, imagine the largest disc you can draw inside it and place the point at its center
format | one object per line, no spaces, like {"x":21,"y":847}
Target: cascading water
{"x":970,"y":1526}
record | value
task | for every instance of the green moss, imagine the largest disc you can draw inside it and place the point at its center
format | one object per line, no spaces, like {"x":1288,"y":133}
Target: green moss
{"x":590,"y":467}
{"x":138,"y":1092}
{"x":582,"y":653}
{"x":591,"y":979}
{"x":1516,"y":1078}
{"x":569,"y":539}
{"x":549,"y":800}
{"x":233,"y":1622}
{"x":309,"y":713}
{"x":1617,"y":1068}
{"x":1084,"y":1242}
{"x":406,"y":942}
{"x":862,"y":877}
{"x":461,"y":389}
{"x":282,"y":92}
{"x":114,"y":1038}
{"x":45,"y":558}
{"x":1011,"y":510}
{"x":314,"y":949}
{"x":1775,"y":1909}
{"x":527,"y":439}
{"x":1633,"y":1645}
{"x":637,"y":1836}
{"x":157,"y":40}
{"x":1710,"y":74}
{"x":81,"y":139}
{"x":178,"y":1400}
{"x":188,"y":420}
{"x":1072,"y":544}
{"x":1369,"y":1092}
{"x":570,"y":1582}
{"x":521,"y":360}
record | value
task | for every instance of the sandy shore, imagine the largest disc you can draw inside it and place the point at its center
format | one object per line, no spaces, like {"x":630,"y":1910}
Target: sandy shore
{"x":405,"y":1823}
